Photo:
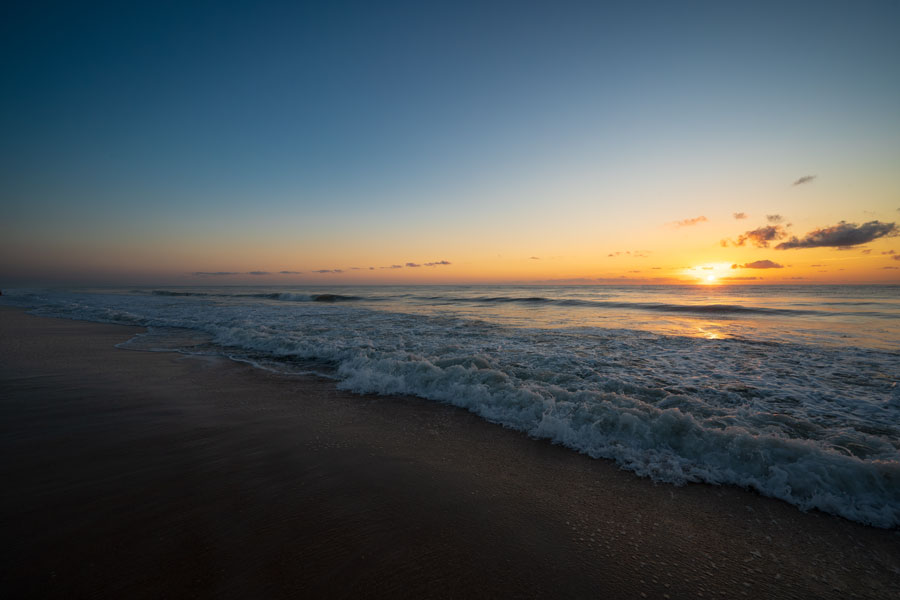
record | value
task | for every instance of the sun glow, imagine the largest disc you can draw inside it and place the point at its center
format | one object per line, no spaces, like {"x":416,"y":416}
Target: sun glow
{"x":708,"y":273}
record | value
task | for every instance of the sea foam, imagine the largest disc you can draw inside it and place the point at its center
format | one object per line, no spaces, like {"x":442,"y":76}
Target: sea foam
{"x":813,"y":424}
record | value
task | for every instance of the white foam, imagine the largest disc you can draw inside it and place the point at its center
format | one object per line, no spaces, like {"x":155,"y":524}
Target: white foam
{"x":811,"y":424}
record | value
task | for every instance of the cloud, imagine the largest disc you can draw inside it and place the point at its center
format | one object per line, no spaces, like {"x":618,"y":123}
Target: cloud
{"x":290,"y":272}
{"x":842,"y":235}
{"x":758,"y":264}
{"x":804,"y":179}
{"x":867,"y":251}
{"x":371,"y":268}
{"x":774,"y":218}
{"x":635,"y":253}
{"x":412,"y":264}
{"x":534,"y":258}
{"x":759,"y":237}
{"x":740,"y":216}
{"x":392,"y":267}
{"x":891,"y":268}
{"x":738,"y":278}
{"x":215,"y":273}
{"x":689,"y":222}
{"x":327,"y":271}
{"x":438,"y":263}
{"x":257,"y":272}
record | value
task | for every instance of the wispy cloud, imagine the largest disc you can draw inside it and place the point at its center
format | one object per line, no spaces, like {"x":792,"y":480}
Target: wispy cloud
{"x":842,"y":235}
{"x":690,"y":222}
{"x":774,"y":218}
{"x":804,"y":179}
{"x":738,"y":278}
{"x":215,"y":273}
{"x":759,"y":237}
{"x":632,"y":253}
{"x":740,"y":216}
{"x":534,"y":258}
{"x":412,"y":264}
{"x":328,"y":271}
{"x":758,"y":264}
{"x":226,"y":273}
{"x":438,"y":263}
{"x":392,"y":267}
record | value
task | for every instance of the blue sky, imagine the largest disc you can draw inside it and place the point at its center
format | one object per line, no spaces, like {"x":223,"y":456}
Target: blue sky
{"x":132,"y":126}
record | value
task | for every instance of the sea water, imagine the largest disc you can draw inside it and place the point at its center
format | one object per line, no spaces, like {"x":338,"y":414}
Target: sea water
{"x":789,"y":390}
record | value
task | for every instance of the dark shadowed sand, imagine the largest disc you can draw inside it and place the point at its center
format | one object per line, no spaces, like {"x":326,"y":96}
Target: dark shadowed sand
{"x":130,"y":474}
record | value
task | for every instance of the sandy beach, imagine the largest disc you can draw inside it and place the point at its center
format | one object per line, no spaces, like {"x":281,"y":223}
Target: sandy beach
{"x":149,"y":475}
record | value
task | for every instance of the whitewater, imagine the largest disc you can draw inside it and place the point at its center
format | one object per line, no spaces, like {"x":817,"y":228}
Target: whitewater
{"x":788,"y":390}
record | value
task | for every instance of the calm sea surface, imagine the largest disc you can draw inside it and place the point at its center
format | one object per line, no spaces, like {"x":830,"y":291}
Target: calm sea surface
{"x":789,"y":390}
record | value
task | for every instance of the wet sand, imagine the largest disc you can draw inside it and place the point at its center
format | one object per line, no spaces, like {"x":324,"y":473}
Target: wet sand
{"x":150,"y":475}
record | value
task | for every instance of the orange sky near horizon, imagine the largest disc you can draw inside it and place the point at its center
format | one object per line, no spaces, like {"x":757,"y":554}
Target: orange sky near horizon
{"x":657,"y":253}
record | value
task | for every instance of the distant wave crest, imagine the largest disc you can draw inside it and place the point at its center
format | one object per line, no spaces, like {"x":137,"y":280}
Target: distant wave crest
{"x":286,"y":296}
{"x":652,"y":306}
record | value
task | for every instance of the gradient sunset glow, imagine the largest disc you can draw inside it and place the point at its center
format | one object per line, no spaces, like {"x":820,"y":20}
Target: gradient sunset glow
{"x":523,"y":143}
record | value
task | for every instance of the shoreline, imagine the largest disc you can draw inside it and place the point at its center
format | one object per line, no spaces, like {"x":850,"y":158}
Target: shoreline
{"x":153,"y":474}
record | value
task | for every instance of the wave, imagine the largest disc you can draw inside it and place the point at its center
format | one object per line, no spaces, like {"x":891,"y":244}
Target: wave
{"x":704,"y":309}
{"x":813,"y":425}
{"x":286,"y":296}
{"x":171,"y":293}
{"x":650,"y":306}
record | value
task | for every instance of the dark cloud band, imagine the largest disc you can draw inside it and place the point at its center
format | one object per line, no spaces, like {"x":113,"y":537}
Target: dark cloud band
{"x":842,"y":235}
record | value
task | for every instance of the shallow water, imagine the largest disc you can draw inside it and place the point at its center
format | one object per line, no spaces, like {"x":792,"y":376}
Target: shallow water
{"x":792,"y":391}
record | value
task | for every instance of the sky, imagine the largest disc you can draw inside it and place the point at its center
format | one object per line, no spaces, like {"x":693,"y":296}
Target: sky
{"x":195,"y":143}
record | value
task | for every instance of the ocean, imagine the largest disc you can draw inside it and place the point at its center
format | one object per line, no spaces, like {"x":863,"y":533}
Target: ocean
{"x":793,"y":391}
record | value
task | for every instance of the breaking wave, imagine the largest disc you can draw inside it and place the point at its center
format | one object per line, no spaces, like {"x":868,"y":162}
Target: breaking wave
{"x":815,"y":425}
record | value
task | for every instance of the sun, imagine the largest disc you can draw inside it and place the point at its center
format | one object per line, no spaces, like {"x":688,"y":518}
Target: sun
{"x":711,"y":273}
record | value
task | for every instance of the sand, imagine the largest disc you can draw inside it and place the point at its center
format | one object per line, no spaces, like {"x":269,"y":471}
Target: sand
{"x":150,"y":475}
